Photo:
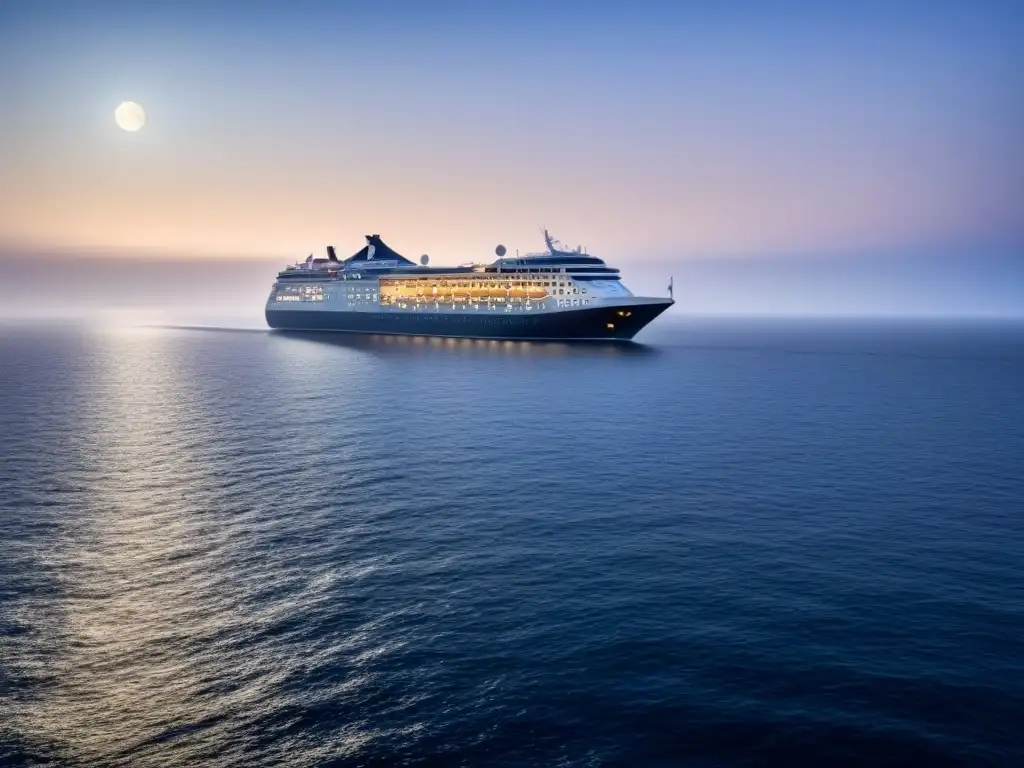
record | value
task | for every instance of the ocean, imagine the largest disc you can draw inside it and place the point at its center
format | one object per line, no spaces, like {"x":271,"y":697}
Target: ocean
{"x":735,"y":543}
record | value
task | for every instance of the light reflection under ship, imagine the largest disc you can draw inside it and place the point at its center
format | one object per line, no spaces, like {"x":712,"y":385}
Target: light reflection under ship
{"x":540,"y":348}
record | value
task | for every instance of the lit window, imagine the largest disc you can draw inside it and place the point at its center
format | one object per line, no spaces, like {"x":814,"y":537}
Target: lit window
{"x":611,"y":326}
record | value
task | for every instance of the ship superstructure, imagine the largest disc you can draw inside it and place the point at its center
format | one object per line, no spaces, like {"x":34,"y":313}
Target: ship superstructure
{"x":556,"y":294}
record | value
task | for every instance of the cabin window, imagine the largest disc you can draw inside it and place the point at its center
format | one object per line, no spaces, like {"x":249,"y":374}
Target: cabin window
{"x":300,"y":293}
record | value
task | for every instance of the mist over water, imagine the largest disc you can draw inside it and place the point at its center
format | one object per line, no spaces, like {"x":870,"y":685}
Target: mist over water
{"x":137,"y":288}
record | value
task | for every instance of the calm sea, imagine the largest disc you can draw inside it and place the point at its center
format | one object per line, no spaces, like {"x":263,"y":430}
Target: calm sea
{"x":737,"y":543}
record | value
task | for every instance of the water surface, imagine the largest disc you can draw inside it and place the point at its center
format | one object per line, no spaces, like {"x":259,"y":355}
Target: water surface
{"x":737,"y":543}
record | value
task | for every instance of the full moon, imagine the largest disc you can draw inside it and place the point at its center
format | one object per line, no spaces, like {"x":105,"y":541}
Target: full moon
{"x":130,"y":116}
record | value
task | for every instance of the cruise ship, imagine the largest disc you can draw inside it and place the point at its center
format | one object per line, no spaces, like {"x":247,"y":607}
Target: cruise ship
{"x":555,"y":295}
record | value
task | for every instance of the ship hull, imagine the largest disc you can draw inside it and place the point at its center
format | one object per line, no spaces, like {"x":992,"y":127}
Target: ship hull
{"x":610,"y":323}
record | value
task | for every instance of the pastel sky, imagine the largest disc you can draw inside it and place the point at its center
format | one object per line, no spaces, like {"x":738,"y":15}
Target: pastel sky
{"x":634,"y":127}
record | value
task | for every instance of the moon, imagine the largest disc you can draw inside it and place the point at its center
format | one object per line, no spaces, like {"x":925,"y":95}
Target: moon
{"x":130,"y":116}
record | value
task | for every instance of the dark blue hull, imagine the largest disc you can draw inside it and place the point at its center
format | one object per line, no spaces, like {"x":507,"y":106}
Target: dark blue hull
{"x":603,"y":323}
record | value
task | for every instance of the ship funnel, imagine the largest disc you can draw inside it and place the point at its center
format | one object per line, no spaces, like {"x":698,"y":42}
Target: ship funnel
{"x":331,"y":256}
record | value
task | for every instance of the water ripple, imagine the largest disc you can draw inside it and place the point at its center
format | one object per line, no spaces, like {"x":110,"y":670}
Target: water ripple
{"x":749,"y":548}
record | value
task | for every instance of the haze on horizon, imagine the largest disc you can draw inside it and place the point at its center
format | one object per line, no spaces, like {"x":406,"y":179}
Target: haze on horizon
{"x":834,"y":137}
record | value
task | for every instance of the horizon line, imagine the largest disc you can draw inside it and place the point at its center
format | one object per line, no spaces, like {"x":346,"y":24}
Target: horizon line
{"x":824,"y":252}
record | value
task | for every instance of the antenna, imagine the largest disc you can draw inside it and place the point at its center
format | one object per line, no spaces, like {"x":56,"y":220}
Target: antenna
{"x":553,"y":243}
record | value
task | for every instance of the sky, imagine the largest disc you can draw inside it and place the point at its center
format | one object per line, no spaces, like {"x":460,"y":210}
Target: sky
{"x":837,"y":136}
